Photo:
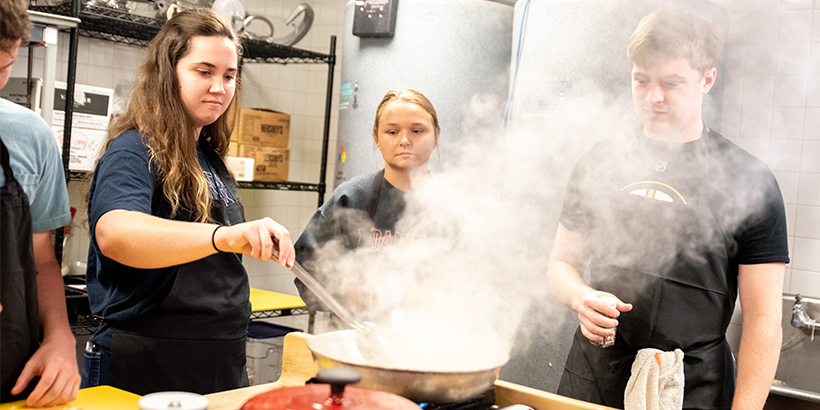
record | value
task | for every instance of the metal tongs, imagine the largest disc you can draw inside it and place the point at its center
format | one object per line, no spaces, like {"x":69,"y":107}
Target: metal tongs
{"x":369,"y":338}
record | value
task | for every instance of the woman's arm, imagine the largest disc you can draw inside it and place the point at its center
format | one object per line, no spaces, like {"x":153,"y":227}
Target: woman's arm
{"x":144,"y":241}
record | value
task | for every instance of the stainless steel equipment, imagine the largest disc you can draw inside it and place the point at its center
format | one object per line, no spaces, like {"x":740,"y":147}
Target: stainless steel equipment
{"x":440,"y":367}
{"x":441,"y":378}
{"x":300,"y":26}
{"x":801,"y":319}
{"x":452,"y":51}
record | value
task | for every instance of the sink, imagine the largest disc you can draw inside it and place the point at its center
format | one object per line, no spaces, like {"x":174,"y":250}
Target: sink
{"x":799,"y":356}
{"x":796,"y":377}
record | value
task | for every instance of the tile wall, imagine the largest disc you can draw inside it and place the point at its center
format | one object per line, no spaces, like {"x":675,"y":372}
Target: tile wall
{"x":772,"y":109}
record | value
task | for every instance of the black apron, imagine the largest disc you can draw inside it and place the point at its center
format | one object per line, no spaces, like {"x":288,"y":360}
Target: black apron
{"x":195,"y":339}
{"x":682,"y":298}
{"x":353,"y":237}
{"x":19,"y":320}
{"x":374,"y":194}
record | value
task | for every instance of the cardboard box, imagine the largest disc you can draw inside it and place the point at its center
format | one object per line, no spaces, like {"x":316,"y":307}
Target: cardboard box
{"x":270,"y":164}
{"x":262,"y":127}
{"x":241,"y":168}
{"x":86,"y":145}
{"x":233,"y":149}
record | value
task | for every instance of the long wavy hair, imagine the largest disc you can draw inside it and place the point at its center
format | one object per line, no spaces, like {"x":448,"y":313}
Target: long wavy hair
{"x":155,"y":109}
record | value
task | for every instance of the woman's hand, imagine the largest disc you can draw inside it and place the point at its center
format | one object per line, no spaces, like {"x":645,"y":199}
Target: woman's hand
{"x":263,"y":239}
{"x":598,"y":317}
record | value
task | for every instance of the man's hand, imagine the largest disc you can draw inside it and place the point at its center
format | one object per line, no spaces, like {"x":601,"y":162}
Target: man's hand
{"x":566,"y":263}
{"x":597,"y":317}
{"x":56,"y":359}
{"x":56,"y":364}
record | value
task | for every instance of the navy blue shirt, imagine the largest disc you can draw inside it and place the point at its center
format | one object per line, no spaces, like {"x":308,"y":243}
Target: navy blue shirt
{"x":126,"y":179}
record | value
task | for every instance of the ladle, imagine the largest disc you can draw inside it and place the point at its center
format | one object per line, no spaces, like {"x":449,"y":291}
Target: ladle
{"x":369,"y":338}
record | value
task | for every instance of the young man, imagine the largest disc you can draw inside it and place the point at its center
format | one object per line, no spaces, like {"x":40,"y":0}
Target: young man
{"x":673,"y":223}
{"x":34,"y":202}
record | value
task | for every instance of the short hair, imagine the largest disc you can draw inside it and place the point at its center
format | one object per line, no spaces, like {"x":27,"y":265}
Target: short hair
{"x":14,"y":23}
{"x":668,"y":34}
{"x":408,"y":95}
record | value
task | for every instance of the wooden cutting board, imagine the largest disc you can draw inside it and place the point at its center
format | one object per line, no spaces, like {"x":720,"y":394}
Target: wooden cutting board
{"x":92,"y":398}
{"x":297,"y":368}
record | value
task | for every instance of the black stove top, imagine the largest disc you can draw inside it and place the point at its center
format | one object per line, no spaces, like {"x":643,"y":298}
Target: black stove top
{"x":484,"y":401}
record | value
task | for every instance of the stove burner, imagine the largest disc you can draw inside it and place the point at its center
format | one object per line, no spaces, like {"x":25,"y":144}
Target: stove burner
{"x":484,"y":401}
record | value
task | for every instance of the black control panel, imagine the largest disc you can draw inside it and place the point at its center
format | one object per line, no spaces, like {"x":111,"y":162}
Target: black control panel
{"x":375,"y":18}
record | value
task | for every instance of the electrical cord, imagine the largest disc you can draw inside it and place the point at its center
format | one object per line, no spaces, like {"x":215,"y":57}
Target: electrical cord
{"x":515,"y":67}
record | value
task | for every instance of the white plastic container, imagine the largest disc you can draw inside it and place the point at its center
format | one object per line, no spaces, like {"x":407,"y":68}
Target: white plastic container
{"x":173,"y":400}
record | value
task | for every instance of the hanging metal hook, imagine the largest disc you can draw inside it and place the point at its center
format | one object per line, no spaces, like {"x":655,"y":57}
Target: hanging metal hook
{"x":300,"y":29}
{"x":247,"y":33}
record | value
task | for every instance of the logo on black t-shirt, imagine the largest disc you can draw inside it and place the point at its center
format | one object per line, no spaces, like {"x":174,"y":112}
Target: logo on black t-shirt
{"x":660,"y":166}
{"x":379,"y":239}
{"x":655,"y":190}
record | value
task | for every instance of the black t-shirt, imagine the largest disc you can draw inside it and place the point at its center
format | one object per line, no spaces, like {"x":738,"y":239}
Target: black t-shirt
{"x":738,"y":189}
{"x":666,"y":226}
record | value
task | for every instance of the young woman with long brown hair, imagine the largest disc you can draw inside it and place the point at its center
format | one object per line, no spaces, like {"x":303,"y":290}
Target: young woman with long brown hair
{"x":167,"y":227}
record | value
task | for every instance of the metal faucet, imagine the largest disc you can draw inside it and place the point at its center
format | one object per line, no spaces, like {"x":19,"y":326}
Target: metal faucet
{"x":801,"y":319}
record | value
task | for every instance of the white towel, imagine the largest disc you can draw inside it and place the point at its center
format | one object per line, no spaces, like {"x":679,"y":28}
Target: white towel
{"x":656,"y":382}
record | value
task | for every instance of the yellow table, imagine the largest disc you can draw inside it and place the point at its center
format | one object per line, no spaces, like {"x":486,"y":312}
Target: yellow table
{"x":265,"y":302}
{"x":92,"y":398}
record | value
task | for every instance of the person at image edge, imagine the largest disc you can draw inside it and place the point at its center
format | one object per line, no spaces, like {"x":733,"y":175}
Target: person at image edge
{"x":34,"y":203}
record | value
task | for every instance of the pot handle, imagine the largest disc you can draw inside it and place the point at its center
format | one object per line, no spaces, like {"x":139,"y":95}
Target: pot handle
{"x":338,"y":378}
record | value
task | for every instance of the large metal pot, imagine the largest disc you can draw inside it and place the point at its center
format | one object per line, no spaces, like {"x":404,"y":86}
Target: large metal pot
{"x":424,"y":366}
{"x":446,"y":375}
